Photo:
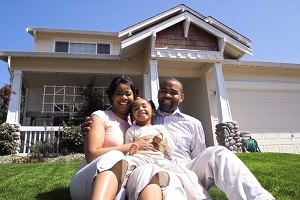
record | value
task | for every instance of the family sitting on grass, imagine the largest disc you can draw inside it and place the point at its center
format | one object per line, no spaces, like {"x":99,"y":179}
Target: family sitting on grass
{"x":138,"y":170}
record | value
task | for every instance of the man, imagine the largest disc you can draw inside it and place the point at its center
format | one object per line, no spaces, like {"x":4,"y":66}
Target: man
{"x":213,"y":165}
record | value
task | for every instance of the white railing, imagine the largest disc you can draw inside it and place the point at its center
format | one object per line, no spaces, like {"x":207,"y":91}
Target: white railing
{"x":30,"y":135}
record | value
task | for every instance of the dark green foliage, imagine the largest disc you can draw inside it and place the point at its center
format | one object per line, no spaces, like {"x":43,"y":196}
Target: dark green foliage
{"x":72,"y":141}
{"x":42,"y":149}
{"x":93,"y":99}
{"x":5,"y":93}
{"x":7,"y":143}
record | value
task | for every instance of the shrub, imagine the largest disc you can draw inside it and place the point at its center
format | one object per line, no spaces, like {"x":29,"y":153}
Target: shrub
{"x":42,"y":149}
{"x":8,"y":145}
{"x":72,"y":141}
{"x":5,"y":93}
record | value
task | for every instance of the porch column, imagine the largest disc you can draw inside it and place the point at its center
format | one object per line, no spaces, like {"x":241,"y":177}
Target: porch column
{"x":151,"y":82}
{"x":13,"y":113}
{"x":224,"y":113}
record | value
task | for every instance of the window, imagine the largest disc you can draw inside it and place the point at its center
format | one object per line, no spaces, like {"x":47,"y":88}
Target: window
{"x":103,"y":48}
{"x":82,"y":48}
{"x":61,"y":46}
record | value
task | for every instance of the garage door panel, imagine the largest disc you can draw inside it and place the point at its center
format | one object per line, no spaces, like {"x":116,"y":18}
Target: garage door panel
{"x":271,"y":116}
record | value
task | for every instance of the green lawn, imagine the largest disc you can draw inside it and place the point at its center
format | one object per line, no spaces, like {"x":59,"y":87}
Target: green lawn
{"x":278,"y":173}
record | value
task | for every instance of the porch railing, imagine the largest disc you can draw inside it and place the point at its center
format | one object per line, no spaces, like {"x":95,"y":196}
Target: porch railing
{"x":30,"y":135}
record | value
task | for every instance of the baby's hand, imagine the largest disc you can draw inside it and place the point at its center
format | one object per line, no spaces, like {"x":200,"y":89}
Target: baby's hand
{"x":158,"y":138}
{"x":133,"y":149}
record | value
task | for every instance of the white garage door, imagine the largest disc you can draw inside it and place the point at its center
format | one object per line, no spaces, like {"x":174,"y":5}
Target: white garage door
{"x":271,"y":116}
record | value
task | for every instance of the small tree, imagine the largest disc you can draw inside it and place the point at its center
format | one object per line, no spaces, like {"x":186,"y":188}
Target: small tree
{"x":92,"y":99}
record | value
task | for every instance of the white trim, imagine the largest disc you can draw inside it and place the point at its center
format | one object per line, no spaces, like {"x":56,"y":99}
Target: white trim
{"x":154,"y":81}
{"x":224,"y":112}
{"x":262,"y":85}
{"x":231,"y":32}
{"x":161,"y":26}
{"x":149,"y":21}
{"x":213,"y":56}
{"x":32,"y":31}
{"x":13,"y":113}
{"x":4,"y":54}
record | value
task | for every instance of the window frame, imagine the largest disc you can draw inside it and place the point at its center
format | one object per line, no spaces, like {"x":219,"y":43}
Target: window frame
{"x":84,"y":41}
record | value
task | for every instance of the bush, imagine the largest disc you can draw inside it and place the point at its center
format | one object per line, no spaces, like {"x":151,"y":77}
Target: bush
{"x":72,"y":141}
{"x":8,"y":145}
{"x":42,"y":149}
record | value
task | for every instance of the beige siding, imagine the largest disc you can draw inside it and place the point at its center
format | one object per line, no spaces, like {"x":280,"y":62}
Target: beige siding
{"x":35,"y":100}
{"x":45,"y":42}
{"x":196,"y":105}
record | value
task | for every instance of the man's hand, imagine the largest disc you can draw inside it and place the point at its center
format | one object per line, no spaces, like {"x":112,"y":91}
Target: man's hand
{"x":85,"y":126}
{"x":145,"y":144}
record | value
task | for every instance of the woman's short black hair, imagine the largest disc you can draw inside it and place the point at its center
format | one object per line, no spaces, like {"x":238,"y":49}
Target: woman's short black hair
{"x":118,"y":80}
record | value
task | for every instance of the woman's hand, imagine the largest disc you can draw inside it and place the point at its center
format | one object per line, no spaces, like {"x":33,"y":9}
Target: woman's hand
{"x":145,"y":144}
{"x":85,"y":126}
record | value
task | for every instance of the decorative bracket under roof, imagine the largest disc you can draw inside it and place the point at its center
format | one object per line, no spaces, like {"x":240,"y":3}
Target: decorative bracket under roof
{"x":153,"y":40}
{"x":222,"y":44}
{"x":186,"y":26}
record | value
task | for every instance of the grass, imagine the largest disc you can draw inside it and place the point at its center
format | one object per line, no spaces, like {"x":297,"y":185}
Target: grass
{"x":278,"y":173}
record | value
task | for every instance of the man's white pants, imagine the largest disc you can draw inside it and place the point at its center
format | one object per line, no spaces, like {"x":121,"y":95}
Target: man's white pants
{"x":221,"y":167}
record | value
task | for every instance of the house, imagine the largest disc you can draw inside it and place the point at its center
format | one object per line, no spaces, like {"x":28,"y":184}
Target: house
{"x":262,"y":97}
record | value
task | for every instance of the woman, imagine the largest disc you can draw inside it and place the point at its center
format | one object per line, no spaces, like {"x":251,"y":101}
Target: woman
{"x":101,"y":176}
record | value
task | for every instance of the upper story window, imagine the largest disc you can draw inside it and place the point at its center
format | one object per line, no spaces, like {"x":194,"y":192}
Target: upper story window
{"x":84,"y":48}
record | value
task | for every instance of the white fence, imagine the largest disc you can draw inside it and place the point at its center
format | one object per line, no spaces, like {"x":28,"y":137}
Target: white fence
{"x":30,"y":135}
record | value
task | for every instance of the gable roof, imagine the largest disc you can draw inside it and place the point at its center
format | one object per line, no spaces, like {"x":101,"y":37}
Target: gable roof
{"x":181,"y":13}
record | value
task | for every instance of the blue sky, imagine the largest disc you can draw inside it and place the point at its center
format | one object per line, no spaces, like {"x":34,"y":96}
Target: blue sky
{"x":271,"y":25}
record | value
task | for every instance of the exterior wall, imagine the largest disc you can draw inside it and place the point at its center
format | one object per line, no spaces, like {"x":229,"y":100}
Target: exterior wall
{"x":35,"y":100}
{"x":266,"y":102}
{"x":79,"y":66}
{"x":197,"y":105}
{"x":212,"y":102}
{"x":198,"y":39}
{"x":45,"y":42}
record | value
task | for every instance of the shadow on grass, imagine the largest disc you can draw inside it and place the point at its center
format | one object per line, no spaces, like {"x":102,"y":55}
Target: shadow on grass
{"x":57,"y":194}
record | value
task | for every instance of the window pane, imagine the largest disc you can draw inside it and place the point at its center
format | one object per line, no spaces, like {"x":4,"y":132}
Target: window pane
{"x":103,"y":48}
{"x":61,"y":46}
{"x":83,"y":48}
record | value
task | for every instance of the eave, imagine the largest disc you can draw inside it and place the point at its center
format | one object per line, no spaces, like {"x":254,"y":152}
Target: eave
{"x":178,"y":9}
{"x":34,"y":31}
{"x":242,"y":63}
{"x":4,"y":55}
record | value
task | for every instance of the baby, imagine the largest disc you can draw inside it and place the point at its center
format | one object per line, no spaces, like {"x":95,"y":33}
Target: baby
{"x":141,"y":113}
